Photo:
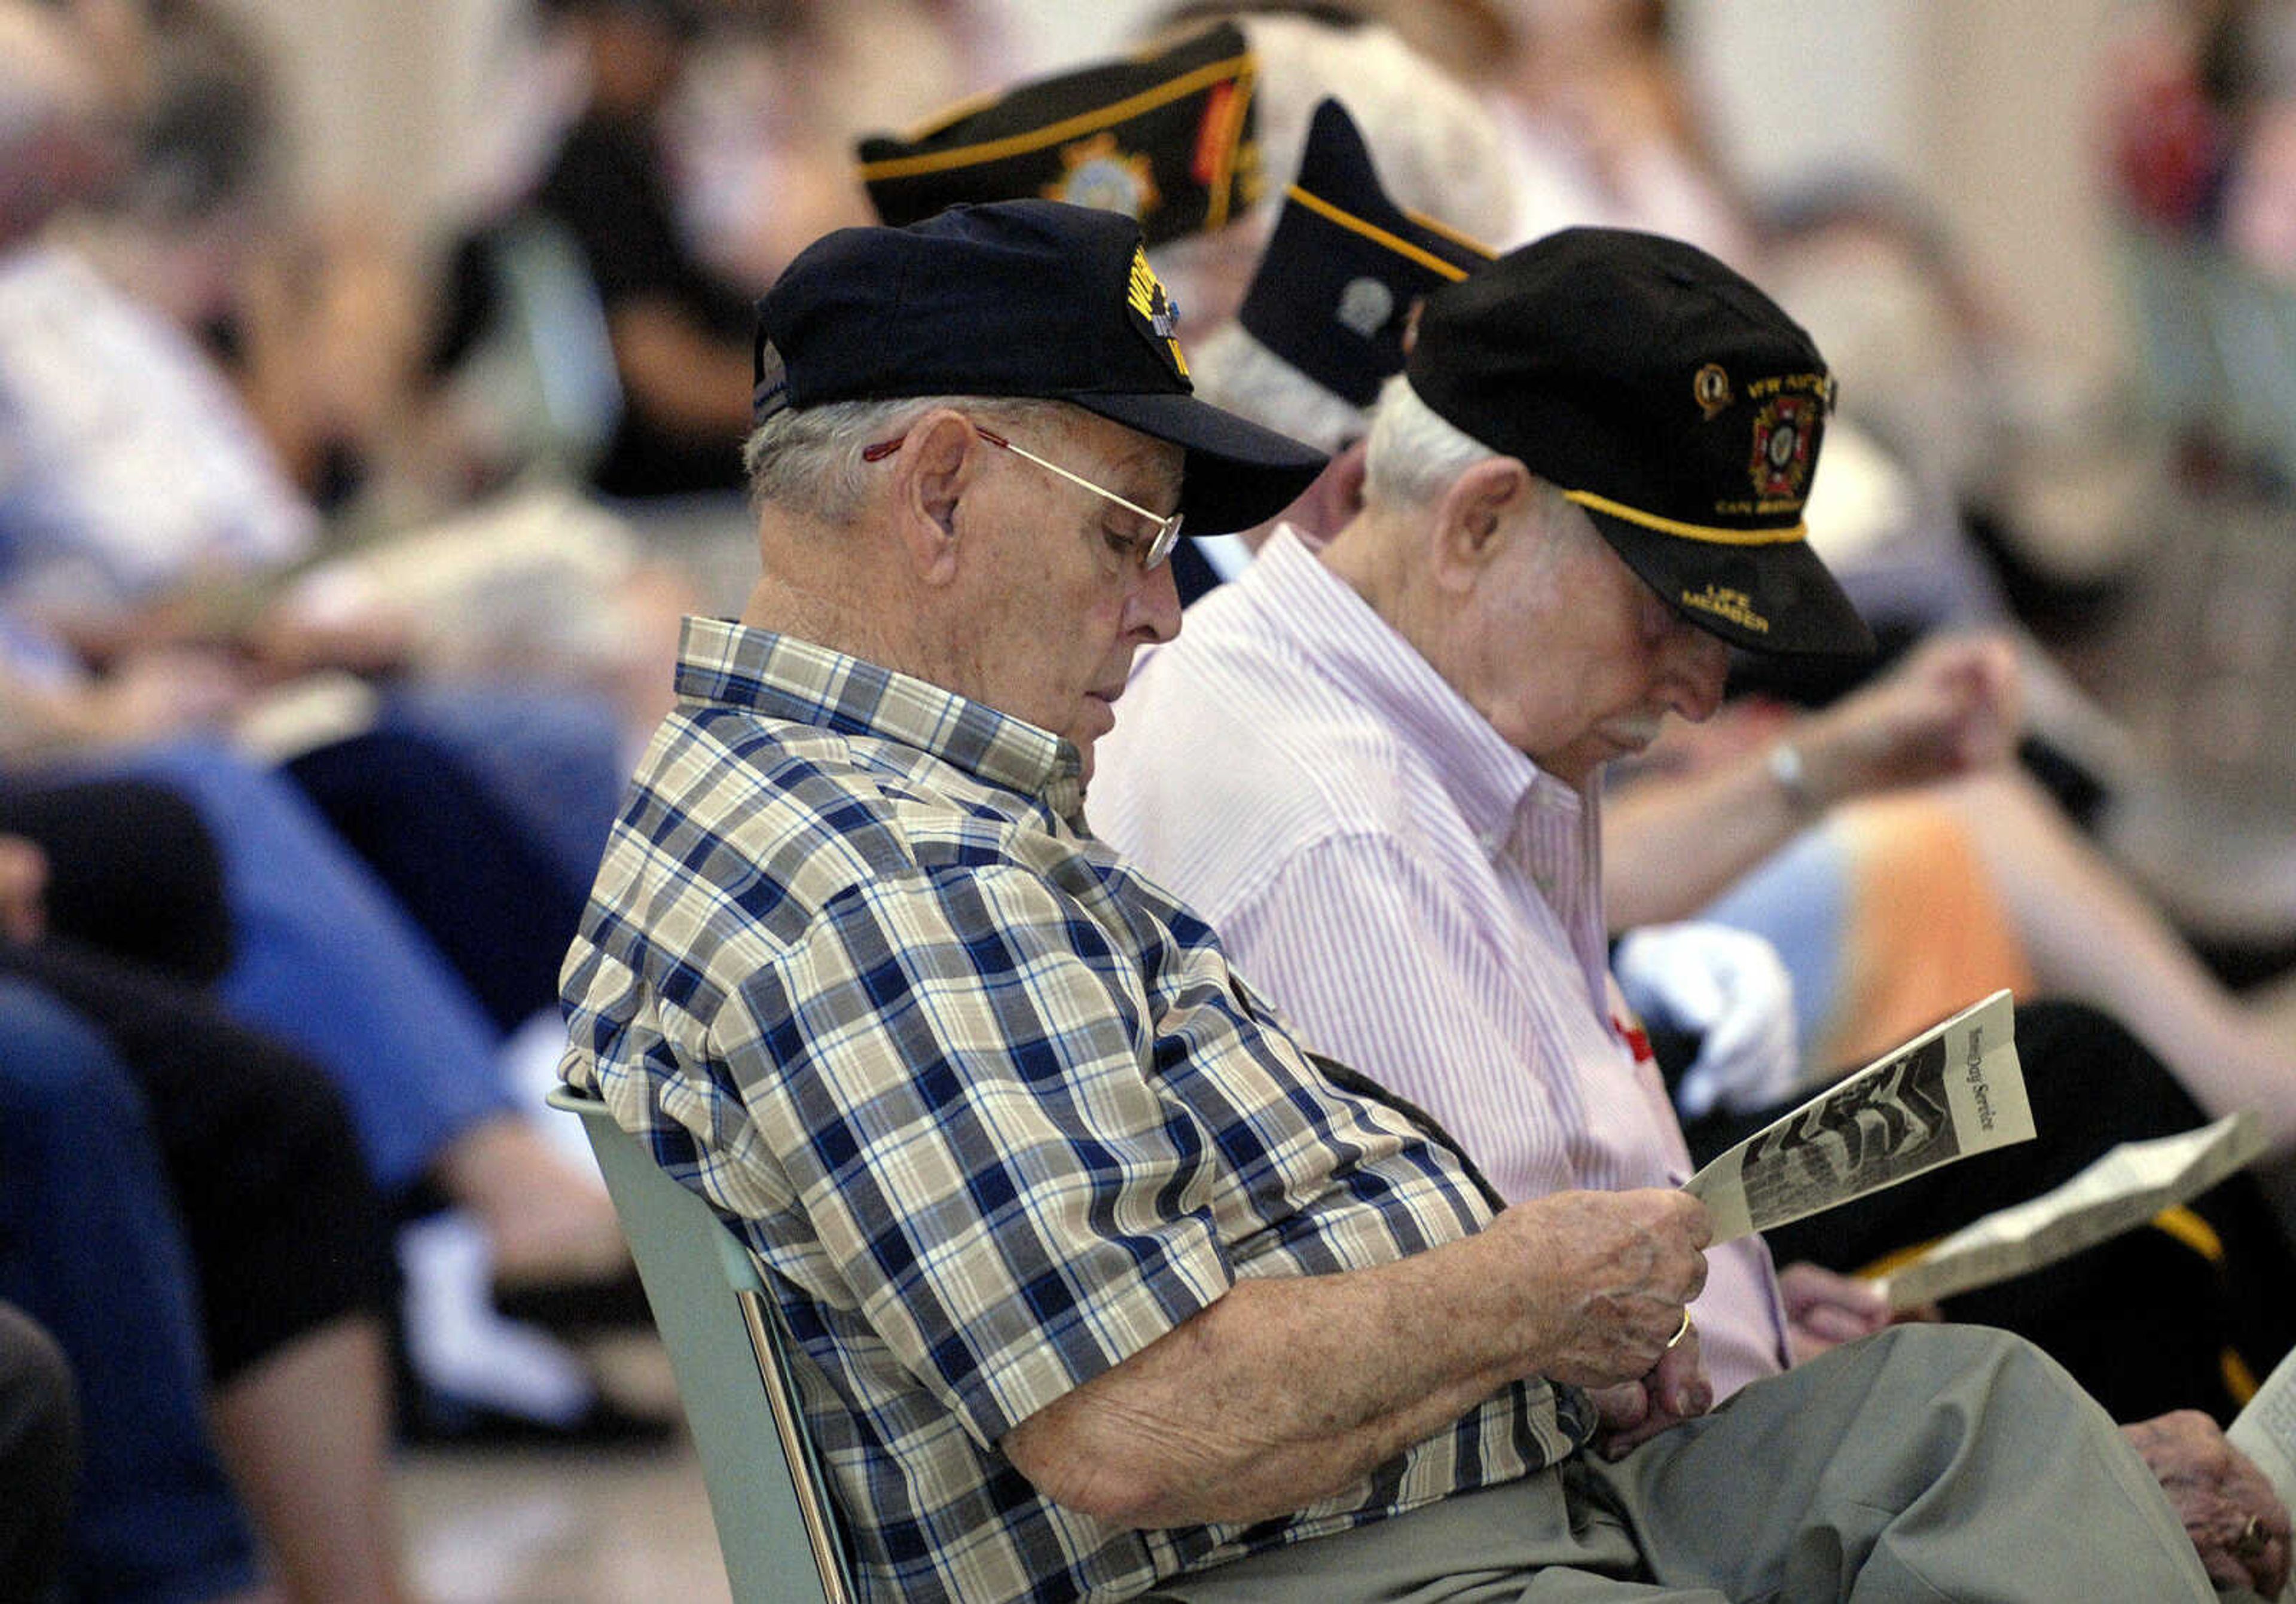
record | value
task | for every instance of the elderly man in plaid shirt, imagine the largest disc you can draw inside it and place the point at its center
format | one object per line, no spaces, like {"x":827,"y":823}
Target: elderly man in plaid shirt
{"x":1101,"y":1286}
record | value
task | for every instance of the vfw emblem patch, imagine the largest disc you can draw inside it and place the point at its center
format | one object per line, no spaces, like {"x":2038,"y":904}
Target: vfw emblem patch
{"x":1783,"y":430}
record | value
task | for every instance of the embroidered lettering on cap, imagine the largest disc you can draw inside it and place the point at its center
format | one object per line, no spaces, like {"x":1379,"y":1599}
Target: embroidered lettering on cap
{"x":1152,"y":311}
{"x":1723,"y":603}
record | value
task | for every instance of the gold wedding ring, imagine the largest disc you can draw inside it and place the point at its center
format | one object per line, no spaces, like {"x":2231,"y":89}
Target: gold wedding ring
{"x":2251,"y":1540}
{"x":1682,"y":1330}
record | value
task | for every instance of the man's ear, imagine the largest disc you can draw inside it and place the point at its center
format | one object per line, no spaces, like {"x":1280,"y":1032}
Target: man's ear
{"x":934,"y":472}
{"x":1473,"y":521}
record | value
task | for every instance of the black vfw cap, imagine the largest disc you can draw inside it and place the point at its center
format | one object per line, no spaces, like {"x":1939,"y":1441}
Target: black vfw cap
{"x":1669,"y":399}
{"x":1023,"y":299}
{"x":1163,"y":137}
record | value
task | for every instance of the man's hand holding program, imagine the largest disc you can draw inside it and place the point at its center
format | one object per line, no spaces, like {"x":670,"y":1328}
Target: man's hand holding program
{"x":1609,"y":1277}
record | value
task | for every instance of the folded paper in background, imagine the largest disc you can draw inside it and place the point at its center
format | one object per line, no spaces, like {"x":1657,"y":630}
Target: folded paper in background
{"x":2122,"y":1189}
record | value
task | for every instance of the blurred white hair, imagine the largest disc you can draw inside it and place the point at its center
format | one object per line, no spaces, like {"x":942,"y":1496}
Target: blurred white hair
{"x":1231,"y":369}
{"x":1438,"y":149}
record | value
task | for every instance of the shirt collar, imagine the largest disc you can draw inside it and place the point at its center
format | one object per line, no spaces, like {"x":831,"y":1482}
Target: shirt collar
{"x":782,"y":676}
{"x":1488,"y":781}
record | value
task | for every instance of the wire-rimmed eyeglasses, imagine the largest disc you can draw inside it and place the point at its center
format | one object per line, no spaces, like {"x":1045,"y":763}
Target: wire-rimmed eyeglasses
{"x":1152,"y":551}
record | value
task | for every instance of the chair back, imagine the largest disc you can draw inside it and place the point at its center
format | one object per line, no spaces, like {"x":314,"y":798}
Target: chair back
{"x":776,"y":1527}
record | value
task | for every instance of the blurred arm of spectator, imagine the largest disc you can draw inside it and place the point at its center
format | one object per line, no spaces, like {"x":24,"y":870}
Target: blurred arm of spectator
{"x":1825,"y":1308}
{"x":150,"y":695}
{"x":23,"y":890}
{"x":1674,"y":842}
{"x":2166,"y":136}
{"x":327,"y":318}
{"x":685,"y":377}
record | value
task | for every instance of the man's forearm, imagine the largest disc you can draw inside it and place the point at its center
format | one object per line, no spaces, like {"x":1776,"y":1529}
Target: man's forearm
{"x":1285,"y":1391}
{"x":1671,"y":846}
{"x":1281,"y":1394}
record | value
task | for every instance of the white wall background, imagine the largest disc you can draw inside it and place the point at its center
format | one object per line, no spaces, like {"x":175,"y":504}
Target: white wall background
{"x":1982,"y":106}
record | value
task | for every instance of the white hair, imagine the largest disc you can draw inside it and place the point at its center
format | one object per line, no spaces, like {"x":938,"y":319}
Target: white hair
{"x":1233,"y":370}
{"x":808,"y":459}
{"x":1415,"y":453}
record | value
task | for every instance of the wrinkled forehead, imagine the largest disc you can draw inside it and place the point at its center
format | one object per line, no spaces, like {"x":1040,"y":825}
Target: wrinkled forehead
{"x":1151,"y":464}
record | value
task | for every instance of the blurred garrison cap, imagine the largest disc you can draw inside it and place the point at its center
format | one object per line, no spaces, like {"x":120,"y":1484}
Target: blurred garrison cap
{"x":1346,"y":265}
{"x":1164,"y":137}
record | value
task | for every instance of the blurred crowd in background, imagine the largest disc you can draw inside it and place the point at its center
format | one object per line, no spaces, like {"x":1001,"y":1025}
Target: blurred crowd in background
{"x":340,"y":563}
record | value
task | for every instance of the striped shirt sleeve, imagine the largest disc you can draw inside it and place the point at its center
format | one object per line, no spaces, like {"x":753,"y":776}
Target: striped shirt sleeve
{"x":1442,"y":1021}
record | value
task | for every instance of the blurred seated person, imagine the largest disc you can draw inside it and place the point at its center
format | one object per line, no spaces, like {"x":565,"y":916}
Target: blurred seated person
{"x":1195,"y":136}
{"x":148,"y":507}
{"x":319,"y":951}
{"x":214,"y":1262}
{"x":680,"y":333}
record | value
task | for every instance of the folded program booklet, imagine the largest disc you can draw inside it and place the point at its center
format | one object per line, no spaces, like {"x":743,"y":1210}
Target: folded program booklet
{"x":1954,"y":1091}
{"x":2125,"y":1187}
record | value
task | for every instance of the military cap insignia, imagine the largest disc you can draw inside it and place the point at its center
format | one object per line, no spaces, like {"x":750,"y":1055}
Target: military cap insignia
{"x":1709,"y":387}
{"x":1365,"y":305}
{"x":1784,"y":430}
{"x":1094,"y":172}
{"x":1165,"y":138}
{"x":1153,"y":314}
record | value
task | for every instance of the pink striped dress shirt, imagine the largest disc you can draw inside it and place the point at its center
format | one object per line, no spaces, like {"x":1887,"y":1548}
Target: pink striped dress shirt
{"x":1415,"y":894}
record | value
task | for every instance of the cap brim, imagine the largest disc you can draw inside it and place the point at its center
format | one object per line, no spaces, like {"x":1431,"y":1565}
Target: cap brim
{"x":1776,"y":599}
{"x":1238,"y":475}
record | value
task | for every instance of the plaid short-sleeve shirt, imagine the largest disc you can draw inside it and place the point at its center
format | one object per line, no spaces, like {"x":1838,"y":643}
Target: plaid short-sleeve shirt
{"x":989,"y":1106}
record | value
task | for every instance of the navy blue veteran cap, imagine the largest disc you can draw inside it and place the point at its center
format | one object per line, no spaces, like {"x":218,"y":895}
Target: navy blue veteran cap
{"x":1669,"y":399}
{"x":1165,"y":138}
{"x":1346,"y":265}
{"x":1016,"y":298}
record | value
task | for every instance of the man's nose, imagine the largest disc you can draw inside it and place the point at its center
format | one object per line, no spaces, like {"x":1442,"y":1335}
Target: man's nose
{"x":1154,"y":608}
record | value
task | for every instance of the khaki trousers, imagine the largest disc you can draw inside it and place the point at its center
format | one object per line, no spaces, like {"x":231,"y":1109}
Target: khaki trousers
{"x":1929,"y":1464}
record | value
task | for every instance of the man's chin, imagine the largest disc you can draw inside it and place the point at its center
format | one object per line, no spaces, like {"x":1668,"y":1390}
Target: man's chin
{"x":1632,"y":740}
